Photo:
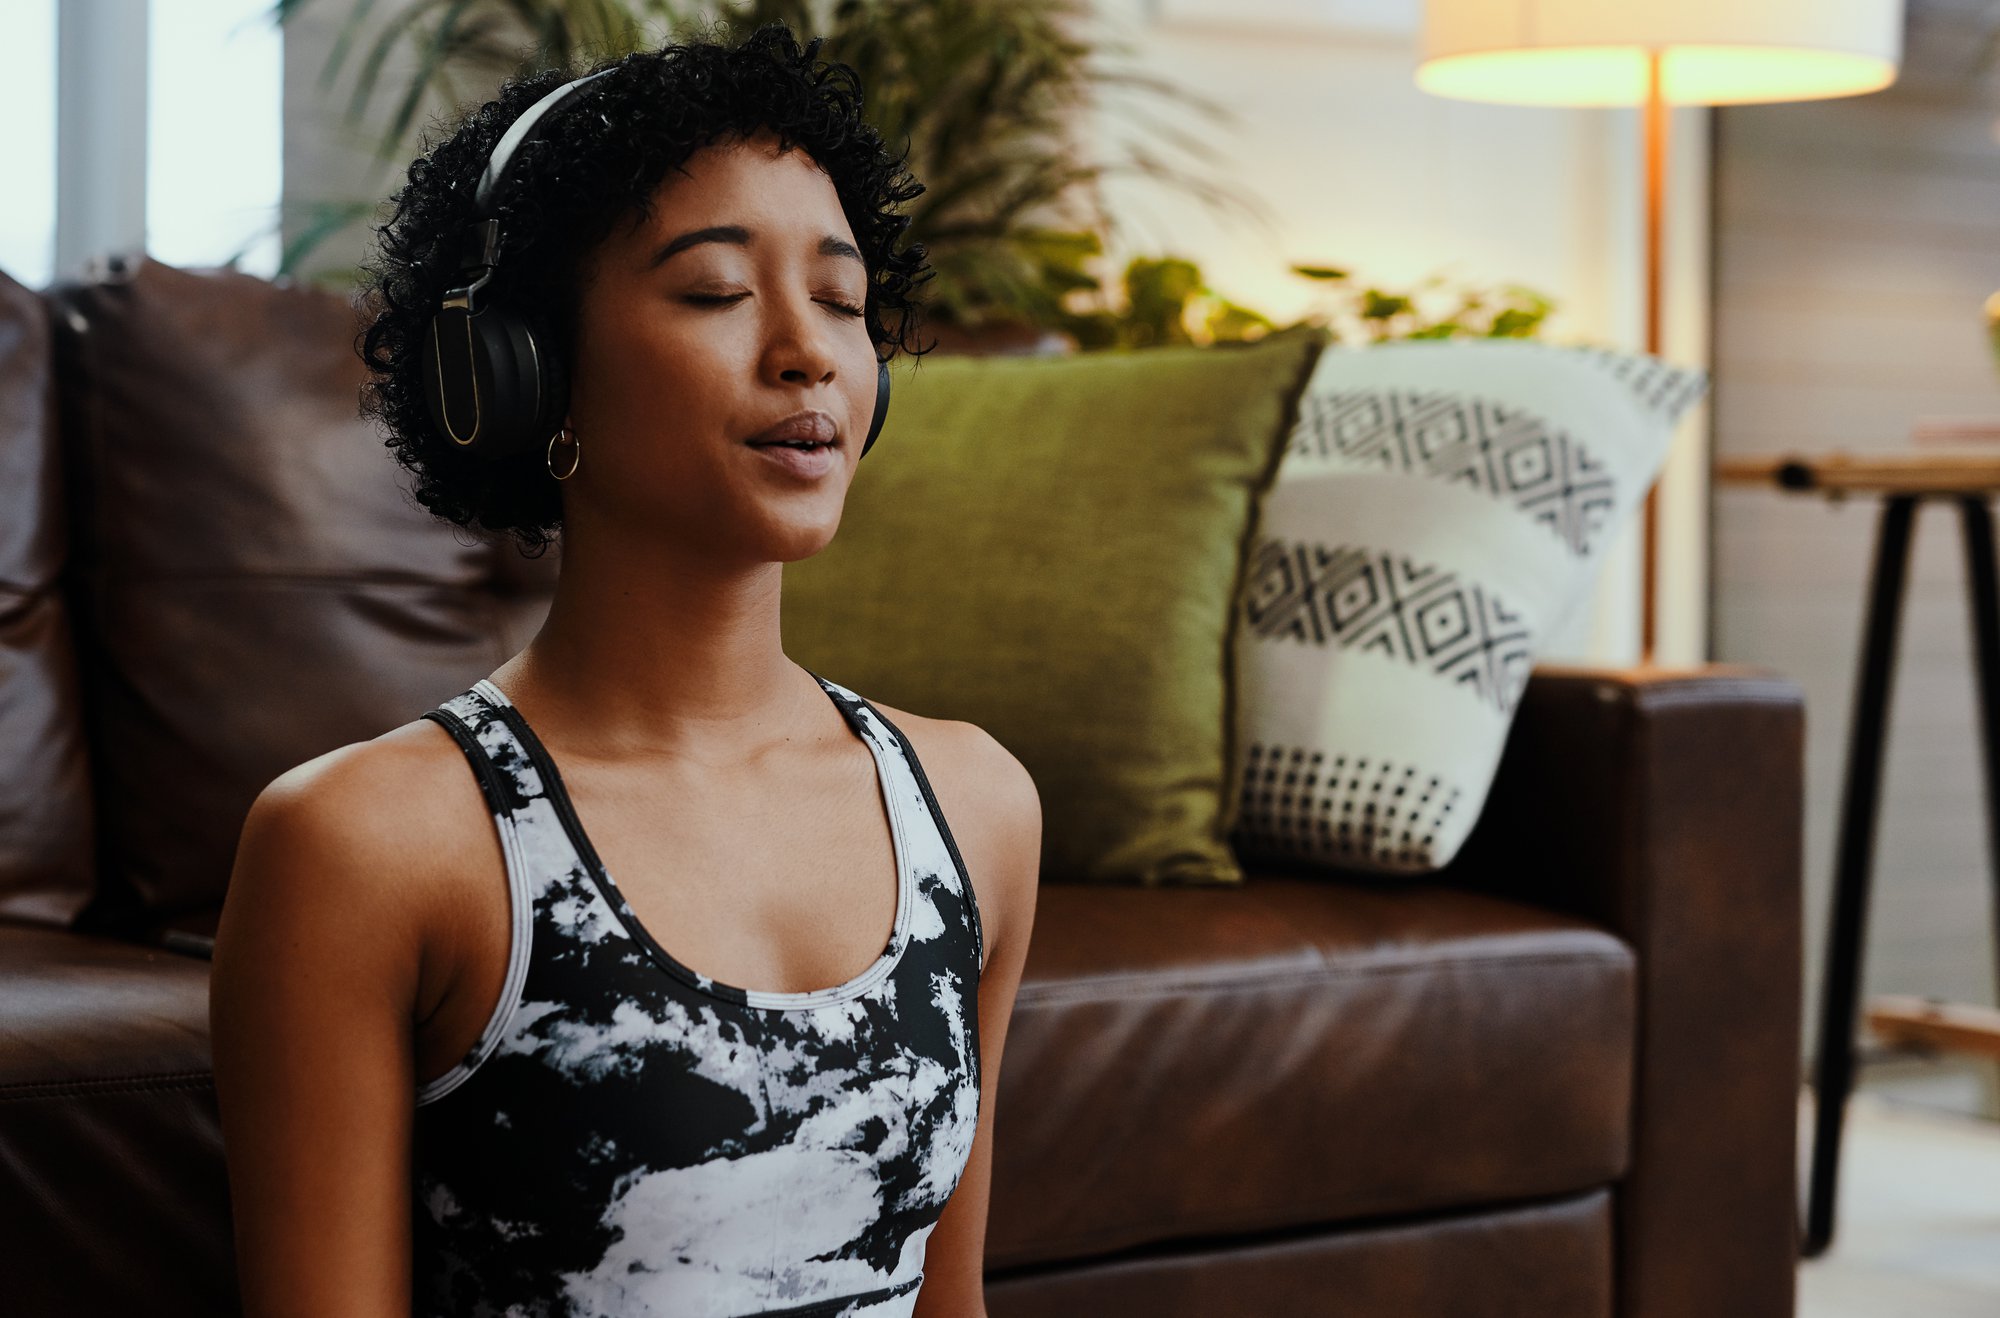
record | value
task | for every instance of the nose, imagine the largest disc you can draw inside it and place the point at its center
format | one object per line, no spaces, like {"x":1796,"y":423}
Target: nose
{"x":798,"y":345}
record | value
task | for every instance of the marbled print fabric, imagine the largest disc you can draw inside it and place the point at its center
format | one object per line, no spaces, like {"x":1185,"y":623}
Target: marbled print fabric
{"x":632,"y":1138}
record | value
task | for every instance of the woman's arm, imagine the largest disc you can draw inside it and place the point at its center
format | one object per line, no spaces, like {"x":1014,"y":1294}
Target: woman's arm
{"x":312,"y":1004}
{"x":1002,"y":847}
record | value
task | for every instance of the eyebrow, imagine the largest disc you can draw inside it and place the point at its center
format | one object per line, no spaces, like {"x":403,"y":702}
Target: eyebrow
{"x":738,"y":236}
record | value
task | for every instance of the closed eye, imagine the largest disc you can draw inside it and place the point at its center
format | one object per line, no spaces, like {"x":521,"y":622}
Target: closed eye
{"x":725,"y":299}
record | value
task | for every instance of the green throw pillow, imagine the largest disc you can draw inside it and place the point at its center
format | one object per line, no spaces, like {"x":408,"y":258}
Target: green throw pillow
{"x":1050,"y":548}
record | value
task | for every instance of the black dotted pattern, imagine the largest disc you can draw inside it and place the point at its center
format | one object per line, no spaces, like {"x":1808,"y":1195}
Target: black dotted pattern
{"x":1306,"y":804}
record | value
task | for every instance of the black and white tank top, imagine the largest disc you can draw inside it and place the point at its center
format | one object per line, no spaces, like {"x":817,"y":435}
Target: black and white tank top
{"x":630,"y":1137}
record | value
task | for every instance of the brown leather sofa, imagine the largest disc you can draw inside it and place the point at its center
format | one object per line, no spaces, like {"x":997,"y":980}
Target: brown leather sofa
{"x":1557,"y":1080}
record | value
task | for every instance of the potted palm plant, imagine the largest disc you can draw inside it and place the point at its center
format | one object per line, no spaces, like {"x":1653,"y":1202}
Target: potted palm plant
{"x":992,"y":97}
{"x":995,"y":100}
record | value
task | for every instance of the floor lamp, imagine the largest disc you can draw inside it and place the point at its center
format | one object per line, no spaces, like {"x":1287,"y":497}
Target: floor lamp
{"x":1657,"y":54}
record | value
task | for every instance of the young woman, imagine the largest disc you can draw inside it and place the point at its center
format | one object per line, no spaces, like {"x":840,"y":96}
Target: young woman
{"x":645,"y":976}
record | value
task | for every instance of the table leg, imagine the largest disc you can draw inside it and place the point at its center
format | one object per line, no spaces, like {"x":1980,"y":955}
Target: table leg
{"x":1983,"y":594}
{"x":1834,"y":1077}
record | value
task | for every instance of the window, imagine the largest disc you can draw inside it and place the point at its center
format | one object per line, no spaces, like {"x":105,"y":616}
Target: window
{"x":28,"y":148}
{"x":215,"y":133}
{"x":168,"y":124}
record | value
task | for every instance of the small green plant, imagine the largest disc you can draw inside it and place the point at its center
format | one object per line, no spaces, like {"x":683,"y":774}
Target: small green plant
{"x":1159,"y":300}
{"x":1165,"y":300}
{"x":1434,"y":309}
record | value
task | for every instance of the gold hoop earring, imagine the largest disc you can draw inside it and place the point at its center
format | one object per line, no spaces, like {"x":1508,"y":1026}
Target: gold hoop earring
{"x":576,"y":454}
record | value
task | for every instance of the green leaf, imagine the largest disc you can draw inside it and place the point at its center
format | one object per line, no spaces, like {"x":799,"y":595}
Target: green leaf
{"x":1377,"y":305}
{"x":1514,"y":323}
{"x":1228,"y":320}
{"x":323,"y":220}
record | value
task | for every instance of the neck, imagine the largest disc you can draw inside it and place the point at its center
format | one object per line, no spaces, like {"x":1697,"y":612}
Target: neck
{"x":662,"y":653}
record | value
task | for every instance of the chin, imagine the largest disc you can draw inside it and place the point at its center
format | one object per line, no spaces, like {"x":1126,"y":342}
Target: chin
{"x":793,"y":543}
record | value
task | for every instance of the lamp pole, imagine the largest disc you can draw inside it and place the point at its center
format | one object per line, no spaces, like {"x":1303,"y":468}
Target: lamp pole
{"x":1655,"y":128}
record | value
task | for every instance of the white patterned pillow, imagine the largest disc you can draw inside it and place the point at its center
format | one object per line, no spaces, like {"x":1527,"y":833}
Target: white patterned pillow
{"x":1440,"y":509}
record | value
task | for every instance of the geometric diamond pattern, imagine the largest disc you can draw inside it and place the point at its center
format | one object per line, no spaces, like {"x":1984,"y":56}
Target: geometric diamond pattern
{"x":1505,"y":452}
{"x":1667,"y":389}
{"x":1386,"y":604}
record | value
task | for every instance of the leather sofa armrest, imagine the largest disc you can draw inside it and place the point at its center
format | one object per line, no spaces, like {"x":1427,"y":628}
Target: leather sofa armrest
{"x":1667,"y":805}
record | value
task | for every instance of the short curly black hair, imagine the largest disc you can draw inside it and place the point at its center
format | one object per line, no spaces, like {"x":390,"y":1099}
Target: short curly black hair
{"x":567,"y":186}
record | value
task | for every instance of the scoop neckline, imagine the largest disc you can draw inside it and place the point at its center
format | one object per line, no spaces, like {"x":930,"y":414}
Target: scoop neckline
{"x":558,"y":794}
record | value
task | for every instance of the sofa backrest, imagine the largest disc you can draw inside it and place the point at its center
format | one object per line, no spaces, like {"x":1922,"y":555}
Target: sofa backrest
{"x":254,"y":584}
{"x":46,"y":845}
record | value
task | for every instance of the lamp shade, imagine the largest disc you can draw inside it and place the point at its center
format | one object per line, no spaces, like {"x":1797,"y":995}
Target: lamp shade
{"x":1712,"y":52}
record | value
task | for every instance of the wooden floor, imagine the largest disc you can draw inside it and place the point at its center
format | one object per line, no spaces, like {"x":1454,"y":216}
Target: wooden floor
{"x":1918,"y":1229}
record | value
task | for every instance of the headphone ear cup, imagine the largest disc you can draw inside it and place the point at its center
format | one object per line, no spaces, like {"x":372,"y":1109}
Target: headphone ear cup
{"x":488,"y":383}
{"x":553,"y":402}
{"x":452,"y":391}
{"x":881,"y":406}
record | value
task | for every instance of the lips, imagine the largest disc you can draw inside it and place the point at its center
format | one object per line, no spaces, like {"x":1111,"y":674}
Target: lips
{"x":807,"y":427}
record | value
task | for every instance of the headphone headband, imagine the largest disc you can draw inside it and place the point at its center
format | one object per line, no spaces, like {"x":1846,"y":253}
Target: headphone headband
{"x":485,"y":197}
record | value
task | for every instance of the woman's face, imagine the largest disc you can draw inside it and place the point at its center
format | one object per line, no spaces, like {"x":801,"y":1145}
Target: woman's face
{"x":734,"y":306}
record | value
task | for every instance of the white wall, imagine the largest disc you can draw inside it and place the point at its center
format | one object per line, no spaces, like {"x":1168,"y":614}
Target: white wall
{"x":1364,"y":171}
{"x":1856,"y":244}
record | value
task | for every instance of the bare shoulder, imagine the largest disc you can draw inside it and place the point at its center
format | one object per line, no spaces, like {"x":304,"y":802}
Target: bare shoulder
{"x":353,"y":853}
{"x":322,"y":961}
{"x":369,"y":772}
{"x":967,"y":762}
{"x":382,"y":803}
{"x":993,"y":809}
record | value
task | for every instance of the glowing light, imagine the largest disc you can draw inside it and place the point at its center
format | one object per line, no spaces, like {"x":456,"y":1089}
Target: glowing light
{"x":1689,"y":75}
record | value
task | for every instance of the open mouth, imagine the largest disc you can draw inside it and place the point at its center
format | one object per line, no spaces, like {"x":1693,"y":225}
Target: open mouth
{"x":807,"y":459}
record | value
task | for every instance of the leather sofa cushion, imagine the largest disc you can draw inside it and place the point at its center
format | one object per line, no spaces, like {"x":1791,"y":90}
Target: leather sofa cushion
{"x":1548,"y":1259}
{"x":46,"y":847}
{"x":1181,"y":1062}
{"x":85,"y":1011}
{"x":1301,"y":1050}
{"x":113,"y":1193}
{"x":262,"y":586}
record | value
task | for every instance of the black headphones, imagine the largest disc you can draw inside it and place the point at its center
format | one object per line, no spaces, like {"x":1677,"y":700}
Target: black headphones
{"x":492,"y":385}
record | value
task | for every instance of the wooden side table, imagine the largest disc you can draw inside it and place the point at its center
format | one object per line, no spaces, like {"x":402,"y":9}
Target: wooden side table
{"x":1903,"y":481}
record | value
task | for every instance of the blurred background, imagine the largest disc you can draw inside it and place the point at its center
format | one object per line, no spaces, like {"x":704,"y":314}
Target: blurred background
{"x":1187,"y":170}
